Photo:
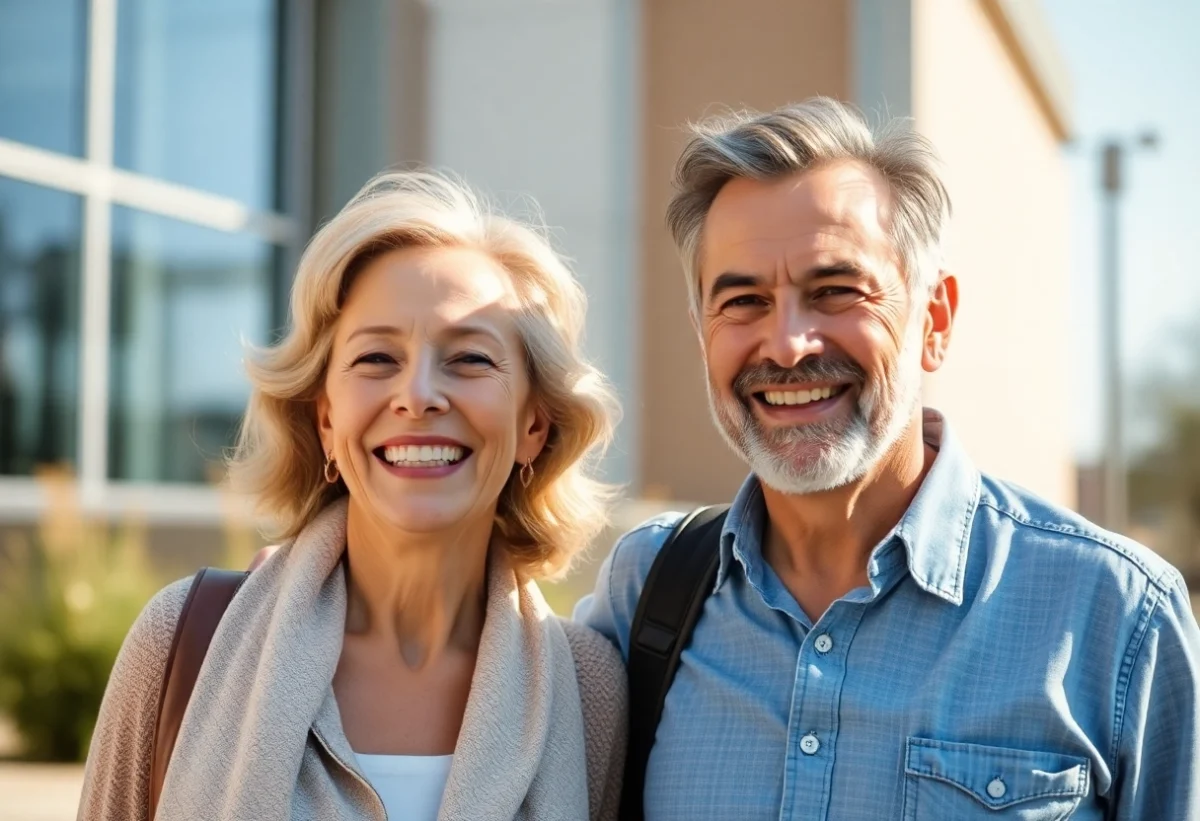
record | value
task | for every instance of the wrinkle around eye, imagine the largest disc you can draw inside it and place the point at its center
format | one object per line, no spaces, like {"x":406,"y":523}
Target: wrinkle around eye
{"x":474,"y":359}
{"x":374,"y":358}
{"x":371,"y":361}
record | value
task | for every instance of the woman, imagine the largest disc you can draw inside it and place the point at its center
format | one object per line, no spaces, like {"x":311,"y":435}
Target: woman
{"x":420,"y":436}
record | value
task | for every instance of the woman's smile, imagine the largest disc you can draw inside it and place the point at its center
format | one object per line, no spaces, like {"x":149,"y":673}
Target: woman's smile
{"x":422,"y":457}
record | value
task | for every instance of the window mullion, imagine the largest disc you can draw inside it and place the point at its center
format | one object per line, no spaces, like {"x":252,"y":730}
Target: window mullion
{"x":97,"y":255}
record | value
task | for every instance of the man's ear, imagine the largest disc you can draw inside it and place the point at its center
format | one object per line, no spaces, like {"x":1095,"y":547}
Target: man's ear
{"x":939,"y":322}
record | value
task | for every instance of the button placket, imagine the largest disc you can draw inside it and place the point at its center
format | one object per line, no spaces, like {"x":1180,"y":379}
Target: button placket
{"x":813,"y":722}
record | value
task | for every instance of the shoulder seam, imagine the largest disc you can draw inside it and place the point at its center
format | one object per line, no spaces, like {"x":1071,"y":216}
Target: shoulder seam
{"x":653,"y":522}
{"x":1151,"y":602}
{"x":649,"y":524}
{"x":1067,"y":530}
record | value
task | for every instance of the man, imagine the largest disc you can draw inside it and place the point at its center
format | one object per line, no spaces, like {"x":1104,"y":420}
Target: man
{"x":890,"y":634}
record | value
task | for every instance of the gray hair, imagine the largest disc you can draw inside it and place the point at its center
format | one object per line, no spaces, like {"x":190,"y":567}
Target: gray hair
{"x":764,"y":146}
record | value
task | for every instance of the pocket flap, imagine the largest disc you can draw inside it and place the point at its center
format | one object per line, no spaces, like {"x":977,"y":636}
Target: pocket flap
{"x":997,"y":777}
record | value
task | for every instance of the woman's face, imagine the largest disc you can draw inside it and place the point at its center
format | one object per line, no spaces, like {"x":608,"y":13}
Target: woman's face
{"x":426,"y":404}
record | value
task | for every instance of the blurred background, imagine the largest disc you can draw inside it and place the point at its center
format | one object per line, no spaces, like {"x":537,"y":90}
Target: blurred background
{"x":162,"y":163}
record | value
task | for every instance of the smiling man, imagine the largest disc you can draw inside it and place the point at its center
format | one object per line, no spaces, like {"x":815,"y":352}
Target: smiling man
{"x":874,"y":629}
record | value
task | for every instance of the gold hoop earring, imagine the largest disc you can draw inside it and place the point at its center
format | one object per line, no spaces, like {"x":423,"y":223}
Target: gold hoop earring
{"x":331,"y":469}
{"x":526,"y":474}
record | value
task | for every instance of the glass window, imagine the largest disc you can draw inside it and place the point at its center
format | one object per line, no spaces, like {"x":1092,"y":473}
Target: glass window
{"x":183,"y":299}
{"x":198,"y":94}
{"x":39,"y":326}
{"x":43,"y":52}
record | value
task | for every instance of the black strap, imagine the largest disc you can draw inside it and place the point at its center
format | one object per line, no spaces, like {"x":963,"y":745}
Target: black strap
{"x":681,"y":578}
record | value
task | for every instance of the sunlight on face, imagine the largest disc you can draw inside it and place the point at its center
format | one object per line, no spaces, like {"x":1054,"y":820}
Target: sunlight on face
{"x":426,"y":402}
{"x":813,"y":353}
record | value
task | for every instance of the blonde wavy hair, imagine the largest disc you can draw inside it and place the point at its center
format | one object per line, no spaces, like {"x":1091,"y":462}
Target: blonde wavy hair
{"x":278,"y":458}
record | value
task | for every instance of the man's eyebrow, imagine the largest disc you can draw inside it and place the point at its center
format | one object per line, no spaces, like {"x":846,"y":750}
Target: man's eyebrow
{"x":730,"y":280}
{"x":835,"y":269}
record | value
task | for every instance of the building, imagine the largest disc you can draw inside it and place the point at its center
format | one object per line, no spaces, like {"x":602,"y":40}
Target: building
{"x":161,"y":164}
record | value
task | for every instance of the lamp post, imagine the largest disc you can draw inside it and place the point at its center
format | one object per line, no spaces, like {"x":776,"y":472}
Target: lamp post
{"x":1116,"y":491}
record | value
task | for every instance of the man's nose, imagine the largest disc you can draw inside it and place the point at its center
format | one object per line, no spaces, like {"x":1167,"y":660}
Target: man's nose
{"x":791,"y":338}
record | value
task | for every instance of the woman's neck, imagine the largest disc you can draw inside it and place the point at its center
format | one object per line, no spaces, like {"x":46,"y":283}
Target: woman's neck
{"x":424,"y":594}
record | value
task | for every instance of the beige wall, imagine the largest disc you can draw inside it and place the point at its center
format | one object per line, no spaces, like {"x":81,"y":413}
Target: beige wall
{"x":971,"y":94}
{"x":696,"y":53}
{"x":1004,"y":386}
{"x":537,"y":98}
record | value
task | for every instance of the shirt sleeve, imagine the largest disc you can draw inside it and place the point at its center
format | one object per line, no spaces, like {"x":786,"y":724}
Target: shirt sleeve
{"x":1158,"y":764}
{"x":610,"y":607}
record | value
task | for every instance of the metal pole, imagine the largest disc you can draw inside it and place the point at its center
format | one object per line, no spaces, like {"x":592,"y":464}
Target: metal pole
{"x":1116,"y":498}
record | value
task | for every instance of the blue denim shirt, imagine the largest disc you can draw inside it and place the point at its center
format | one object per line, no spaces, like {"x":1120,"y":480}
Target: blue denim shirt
{"x":1007,"y":660}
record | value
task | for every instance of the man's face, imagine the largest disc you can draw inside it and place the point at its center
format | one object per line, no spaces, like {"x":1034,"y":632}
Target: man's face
{"x":813,"y":350}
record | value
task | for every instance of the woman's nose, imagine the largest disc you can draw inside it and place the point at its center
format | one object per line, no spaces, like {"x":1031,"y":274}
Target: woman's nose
{"x":419,"y":390}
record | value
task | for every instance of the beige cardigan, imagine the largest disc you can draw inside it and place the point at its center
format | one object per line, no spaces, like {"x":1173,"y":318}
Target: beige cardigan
{"x":533,"y":744}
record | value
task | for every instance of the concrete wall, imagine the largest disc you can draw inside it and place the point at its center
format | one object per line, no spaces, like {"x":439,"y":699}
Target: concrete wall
{"x":697,"y":55}
{"x":1003,"y":387}
{"x":521,"y":98}
{"x":531,"y":97}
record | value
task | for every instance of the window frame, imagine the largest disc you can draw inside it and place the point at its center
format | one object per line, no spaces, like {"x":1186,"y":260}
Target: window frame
{"x":101,"y":185}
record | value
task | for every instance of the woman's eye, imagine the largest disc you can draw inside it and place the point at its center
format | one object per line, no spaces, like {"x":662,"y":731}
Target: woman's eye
{"x":473,"y":359}
{"x":375,"y":359}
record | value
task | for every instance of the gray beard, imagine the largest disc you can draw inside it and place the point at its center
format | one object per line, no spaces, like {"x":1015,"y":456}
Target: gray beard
{"x":826,"y":455}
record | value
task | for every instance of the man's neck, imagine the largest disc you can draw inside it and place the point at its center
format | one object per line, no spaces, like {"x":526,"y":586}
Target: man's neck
{"x":819,"y":544}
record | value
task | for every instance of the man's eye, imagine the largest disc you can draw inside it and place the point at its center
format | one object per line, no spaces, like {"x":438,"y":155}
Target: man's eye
{"x":834,"y":290}
{"x":744,"y":301}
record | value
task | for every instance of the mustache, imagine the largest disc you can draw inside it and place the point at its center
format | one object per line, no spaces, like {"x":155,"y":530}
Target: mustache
{"x":809,"y":369}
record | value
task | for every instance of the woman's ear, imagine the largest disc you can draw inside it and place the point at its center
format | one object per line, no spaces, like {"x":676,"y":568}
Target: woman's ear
{"x":533,"y":435}
{"x":324,"y":422}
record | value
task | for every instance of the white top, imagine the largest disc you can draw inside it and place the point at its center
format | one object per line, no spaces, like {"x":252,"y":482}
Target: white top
{"x":410,"y":786}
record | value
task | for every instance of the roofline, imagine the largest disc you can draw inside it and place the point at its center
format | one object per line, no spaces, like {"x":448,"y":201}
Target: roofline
{"x":1026,"y":36}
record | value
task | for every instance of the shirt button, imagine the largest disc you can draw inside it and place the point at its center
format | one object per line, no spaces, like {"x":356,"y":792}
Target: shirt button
{"x":810,"y":744}
{"x":996,"y":788}
{"x":823,"y":643}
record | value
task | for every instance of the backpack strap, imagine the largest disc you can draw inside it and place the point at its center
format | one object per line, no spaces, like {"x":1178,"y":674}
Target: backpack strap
{"x":679,"y":582}
{"x":209,"y":596}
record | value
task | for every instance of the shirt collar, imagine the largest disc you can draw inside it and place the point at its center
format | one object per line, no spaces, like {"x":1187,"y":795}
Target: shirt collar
{"x":742,"y":535}
{"x":935,"y":530}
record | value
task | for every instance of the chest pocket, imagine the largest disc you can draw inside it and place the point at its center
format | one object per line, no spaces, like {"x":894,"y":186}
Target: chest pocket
{"x":944,"y":780}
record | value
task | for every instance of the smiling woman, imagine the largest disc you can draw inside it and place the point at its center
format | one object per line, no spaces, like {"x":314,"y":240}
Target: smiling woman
{"x":416,"y":240}
{"x":421,"y":439}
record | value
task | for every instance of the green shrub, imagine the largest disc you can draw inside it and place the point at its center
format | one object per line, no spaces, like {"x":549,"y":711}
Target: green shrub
{"x":68,"y":596}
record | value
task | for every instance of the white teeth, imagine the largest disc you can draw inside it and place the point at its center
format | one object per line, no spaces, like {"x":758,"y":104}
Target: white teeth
{"x":798,"y":397}
{"x":422,"y":455}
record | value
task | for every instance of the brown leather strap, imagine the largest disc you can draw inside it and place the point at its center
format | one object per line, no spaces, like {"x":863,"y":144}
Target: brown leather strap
{"x":211,"y":592}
